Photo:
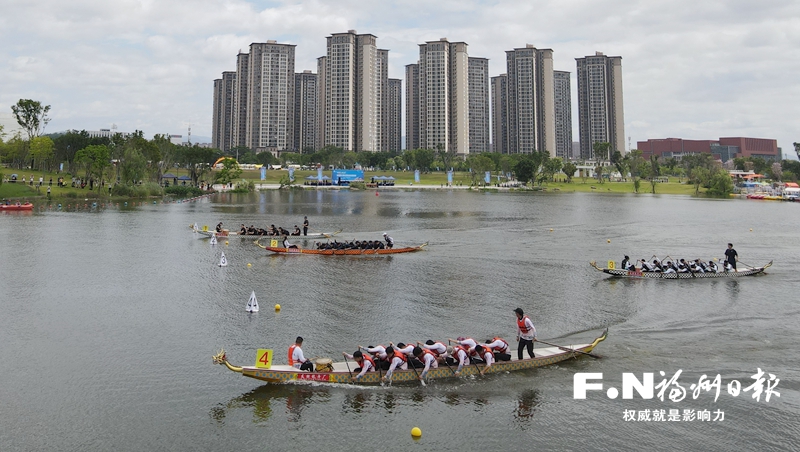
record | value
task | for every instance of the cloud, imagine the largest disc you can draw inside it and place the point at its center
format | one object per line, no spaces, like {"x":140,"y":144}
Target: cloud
{"x":690,"y":69}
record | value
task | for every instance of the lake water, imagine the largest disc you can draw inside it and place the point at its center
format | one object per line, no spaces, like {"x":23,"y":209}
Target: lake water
{"x":109,"y":318}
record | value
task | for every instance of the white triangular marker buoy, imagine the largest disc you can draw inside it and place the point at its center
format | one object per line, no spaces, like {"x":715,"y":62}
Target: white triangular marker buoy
{"x":252,"y":303}
{"x":214,"y":239}
{"x":222,"y":261}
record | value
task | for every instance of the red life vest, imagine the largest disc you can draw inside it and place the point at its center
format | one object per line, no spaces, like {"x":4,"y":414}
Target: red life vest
{"x":463,"y":349}
{"x":371,"y":361}
{"x":521,"y":324}
{"x":291,"y":352}
{"x":399,"y":354}
{"x":425,"y":351}
{"x":503,"y":348}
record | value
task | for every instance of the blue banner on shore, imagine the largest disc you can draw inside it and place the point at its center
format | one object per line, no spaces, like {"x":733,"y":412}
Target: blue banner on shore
{"x":291,"y":174}
{"x":416,"y":176}
{"x":263,"y":173}
{"x":487,"y":177}
{"x":450,"y":177}
{"x":319,"y":174}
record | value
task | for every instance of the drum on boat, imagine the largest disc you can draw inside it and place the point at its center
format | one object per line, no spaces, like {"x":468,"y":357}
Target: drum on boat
{"x":324,"y":365}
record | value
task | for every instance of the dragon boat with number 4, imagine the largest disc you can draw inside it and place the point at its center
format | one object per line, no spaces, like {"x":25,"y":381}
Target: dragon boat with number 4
{"x":343,"y":372}
{"x":345,"y":252}
{"x":638,"y":273}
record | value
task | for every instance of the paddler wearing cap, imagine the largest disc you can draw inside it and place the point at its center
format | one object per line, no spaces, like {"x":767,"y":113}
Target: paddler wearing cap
{"x":526,"y":333}
{"x":389,"y":240}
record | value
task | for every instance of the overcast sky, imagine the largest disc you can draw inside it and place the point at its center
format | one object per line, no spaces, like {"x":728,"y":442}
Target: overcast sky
{"x":691,"y":69}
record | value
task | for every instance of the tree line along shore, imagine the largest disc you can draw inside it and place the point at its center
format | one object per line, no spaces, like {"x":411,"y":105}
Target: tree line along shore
{"x":279,"y":178}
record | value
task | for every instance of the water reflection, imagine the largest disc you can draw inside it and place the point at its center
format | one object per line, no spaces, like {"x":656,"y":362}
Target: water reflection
{"x":526,"y":406}
{"x":295,"y":397}
{"x":356,"y":403}
{"x":732,"y":286}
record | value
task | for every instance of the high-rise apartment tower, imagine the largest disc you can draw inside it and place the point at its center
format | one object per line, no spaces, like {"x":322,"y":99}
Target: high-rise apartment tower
{"x":600,"y":112}
{"x":563,"y":114}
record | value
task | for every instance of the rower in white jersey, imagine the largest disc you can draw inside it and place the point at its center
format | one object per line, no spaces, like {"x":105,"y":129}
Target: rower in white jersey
{"x":438,"y":348}
{"x":428,"y":358}
{"x":397,"y":360}
{"x":485,"y":353}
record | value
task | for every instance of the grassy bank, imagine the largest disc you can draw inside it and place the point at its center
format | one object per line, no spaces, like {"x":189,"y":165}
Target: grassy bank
{"x":19,"y":191}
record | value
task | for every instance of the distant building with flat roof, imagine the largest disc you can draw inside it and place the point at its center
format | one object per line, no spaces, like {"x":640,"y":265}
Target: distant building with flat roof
{"x":724,"y":149}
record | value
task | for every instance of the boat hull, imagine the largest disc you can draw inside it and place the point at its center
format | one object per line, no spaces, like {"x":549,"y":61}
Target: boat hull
{"x":617,"y":273}
{"x":16,"y":207}
{"x":357,"y":252}
{"x":284,"y":374}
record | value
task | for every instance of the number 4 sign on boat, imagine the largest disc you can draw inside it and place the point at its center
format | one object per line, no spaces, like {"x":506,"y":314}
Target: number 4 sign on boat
{"x":264,"y":358}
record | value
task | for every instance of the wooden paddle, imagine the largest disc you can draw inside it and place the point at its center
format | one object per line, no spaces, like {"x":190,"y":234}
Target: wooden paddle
{"x":411,"y":365}
{"x":690,"y":270}
{"x":348,"y":366}
{"x":570,"y":349}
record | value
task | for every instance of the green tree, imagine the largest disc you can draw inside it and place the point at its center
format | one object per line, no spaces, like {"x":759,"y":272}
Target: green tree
{"x":197,"y":160}
{"x":602,"y":152}
{"x":569,"y":169}
{"x":167,"y":153}
{"x":446,"y":155}
{"x":41,"y":151}
{"x":68,"y":144}
{"x":720,"y":183}
{"x":479,"y":164}
{"x":527,"y":167}
{"x":423,"y":158}
{"x":95,"y":159}
{"x":31,"y":115}
{"x":349,"y":159}
{"x":132,"y":166}
{"x":266,"y":158}
{"x":776,"y":171}
{"x":760,"y":165}
{"x":551,"y":167}
{"x":655,"y":172}
{"x":288,"y":158}
{"x":15,"y":151}
{"x":230,"y":171}
{"x":506,"y":163}
{"x":698,"y":176}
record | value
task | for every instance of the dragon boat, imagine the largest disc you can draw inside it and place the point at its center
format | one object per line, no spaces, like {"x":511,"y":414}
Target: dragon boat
{"x":342,"y":372}
{"x":347,"y":252}
{"x":638,"y":273}
{"x":16,"y":207}
{"x":225,"y":233}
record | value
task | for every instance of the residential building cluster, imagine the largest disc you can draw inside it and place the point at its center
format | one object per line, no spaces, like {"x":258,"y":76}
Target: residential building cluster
{"x":451,"y":103}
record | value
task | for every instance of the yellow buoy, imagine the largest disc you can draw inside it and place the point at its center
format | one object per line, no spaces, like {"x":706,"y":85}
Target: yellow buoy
{"x":751,"y":229}
{"x":416,"y":432}
{"x":277,"y":307}
{"x":608,"y":241}
{"x":249,"y":264}
{"x":551,"y":229}
{"x":226,"y":242}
